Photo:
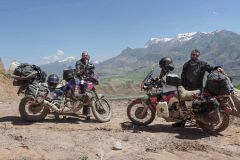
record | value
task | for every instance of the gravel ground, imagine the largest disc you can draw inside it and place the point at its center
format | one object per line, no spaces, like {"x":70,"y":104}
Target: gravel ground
{"x":75,"y":138}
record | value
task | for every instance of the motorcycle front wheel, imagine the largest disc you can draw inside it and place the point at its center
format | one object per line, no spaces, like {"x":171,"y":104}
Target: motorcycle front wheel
{"x":30,"y":111}
{"x":139,"y":114}
{"x":101,"y":109}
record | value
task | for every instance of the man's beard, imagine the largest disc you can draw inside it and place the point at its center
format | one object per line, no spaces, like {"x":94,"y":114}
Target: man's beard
{"x":194,"y":60}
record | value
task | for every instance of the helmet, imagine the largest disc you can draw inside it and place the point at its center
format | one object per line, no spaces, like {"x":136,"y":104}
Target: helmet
{"x":166,"y":63}
{"x":53,"y":81}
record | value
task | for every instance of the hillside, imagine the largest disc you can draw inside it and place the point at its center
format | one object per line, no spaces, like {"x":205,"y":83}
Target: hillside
{"x":8,"y":93}
{"x":2,"y":70}
{"x":218,"y":48}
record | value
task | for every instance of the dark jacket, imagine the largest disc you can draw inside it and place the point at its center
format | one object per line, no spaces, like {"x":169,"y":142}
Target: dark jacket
{"x":83,"y":68}
{"x":193,"y":74}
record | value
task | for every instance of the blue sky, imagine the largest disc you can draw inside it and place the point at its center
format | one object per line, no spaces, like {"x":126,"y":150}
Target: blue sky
{"x":33,"y":29}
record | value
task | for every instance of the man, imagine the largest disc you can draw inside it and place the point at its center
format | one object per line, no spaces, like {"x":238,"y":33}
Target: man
{"x":193,"y":74}
{"x":83,"y":70}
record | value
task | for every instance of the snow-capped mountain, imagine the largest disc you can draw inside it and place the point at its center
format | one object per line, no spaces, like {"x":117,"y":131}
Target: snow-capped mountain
{"x":68,"y":59}
{"x":182,"y":37}
{"x":219,"y":47}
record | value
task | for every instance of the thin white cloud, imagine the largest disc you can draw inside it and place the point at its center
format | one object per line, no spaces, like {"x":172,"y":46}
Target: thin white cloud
{"x":60,"y":52}
{"x":58,"y":56}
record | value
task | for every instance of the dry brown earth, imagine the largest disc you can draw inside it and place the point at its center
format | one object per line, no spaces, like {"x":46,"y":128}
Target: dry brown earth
{"x":75,"y":138}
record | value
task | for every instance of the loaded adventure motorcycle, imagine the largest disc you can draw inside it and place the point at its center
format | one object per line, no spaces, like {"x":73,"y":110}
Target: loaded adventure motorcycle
{"x":209,"y":111}
{"x":39,"y":101}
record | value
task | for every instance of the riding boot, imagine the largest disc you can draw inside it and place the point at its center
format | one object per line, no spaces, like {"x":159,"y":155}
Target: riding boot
{"x":84,"y":111}
{"x":87,"y":112}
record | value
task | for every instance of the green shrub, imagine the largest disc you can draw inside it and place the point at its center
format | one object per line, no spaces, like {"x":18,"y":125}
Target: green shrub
{"x":237,"y":86}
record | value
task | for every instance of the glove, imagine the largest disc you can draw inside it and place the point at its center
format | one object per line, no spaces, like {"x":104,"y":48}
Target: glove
{"x":90,"y":66}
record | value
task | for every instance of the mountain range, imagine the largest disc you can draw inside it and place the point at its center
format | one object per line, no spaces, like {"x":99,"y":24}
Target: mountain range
{"x":220,"y":47}
{"x":58,"y":66}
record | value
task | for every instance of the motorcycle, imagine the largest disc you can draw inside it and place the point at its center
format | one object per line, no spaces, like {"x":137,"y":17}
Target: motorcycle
{"x":175,"y":104}
{"x":39,"y":100}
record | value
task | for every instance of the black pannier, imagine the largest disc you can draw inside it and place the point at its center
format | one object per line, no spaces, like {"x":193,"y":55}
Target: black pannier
{"x":68,"y":74}
{"x":21,"y":82}
{"x":37,"y":91}
{"x":204,"y":104}
{"x":206,"y":109}
{"x":24,"y":70}
{"x":173,"y":80}
{"x":25,"y":74}
{"x":218,"y":83}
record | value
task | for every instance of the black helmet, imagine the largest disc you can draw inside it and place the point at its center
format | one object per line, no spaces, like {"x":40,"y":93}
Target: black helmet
{"x":53,"y":81}
{"x":166,"y":63}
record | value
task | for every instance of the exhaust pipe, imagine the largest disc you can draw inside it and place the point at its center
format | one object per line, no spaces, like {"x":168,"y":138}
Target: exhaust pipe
{"x":52,"y":106}
{"x":55,"y":108}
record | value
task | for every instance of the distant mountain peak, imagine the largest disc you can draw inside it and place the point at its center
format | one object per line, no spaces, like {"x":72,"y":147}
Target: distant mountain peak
{"x":185,"y":36}
{"x":179,"y":38}
{"x":182,"y":37}
{"x":68,"y":59}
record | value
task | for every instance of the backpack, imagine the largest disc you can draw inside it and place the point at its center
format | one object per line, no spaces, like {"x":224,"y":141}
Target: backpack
{"x":218,"y":84}
{"x":68,"y":74}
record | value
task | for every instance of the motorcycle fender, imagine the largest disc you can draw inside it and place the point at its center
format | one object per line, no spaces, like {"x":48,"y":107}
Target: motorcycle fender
{"x":172,"y":100}
{"x":136,"y":101}
{"x":139,"y":100}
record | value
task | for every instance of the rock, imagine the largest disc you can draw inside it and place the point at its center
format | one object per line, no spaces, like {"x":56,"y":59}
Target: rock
{"x":117,"y":146}
{"x":148,"y":139}
{"x":100,"y":154}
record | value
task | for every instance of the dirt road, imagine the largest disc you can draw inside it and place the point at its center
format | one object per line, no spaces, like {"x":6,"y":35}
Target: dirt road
{"x":74,"y":138}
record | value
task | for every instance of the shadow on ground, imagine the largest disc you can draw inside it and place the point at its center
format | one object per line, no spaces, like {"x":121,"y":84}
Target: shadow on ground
{"x":189,"y":132}
{"x":76,"y":119}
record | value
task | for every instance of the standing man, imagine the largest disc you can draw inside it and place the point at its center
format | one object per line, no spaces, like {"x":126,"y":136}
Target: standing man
{"x":83,"y":70}
{"x":193,"y":74}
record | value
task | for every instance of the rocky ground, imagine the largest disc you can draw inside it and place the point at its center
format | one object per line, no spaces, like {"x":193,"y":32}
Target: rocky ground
{"x":75,"y":138}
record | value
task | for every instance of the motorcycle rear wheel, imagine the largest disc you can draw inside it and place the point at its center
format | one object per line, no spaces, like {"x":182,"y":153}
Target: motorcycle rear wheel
{"x":224,"y":123}
{"x":102,"y":111}
{"x":32,"y":112}
{"x":139,"y":116}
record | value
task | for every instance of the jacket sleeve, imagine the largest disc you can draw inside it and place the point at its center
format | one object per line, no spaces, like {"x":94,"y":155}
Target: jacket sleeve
{"x":207,"y":67}
{"x":183,"y":75}
{"x":79,"y":68}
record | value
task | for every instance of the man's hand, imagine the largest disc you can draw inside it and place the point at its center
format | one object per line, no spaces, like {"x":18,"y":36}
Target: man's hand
{"x":80,"y":72}
{"x":220,"y":70}
{"x":90,"y":66}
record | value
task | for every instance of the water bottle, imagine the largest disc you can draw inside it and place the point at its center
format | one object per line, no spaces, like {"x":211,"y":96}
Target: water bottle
{"x":162,"y":109}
